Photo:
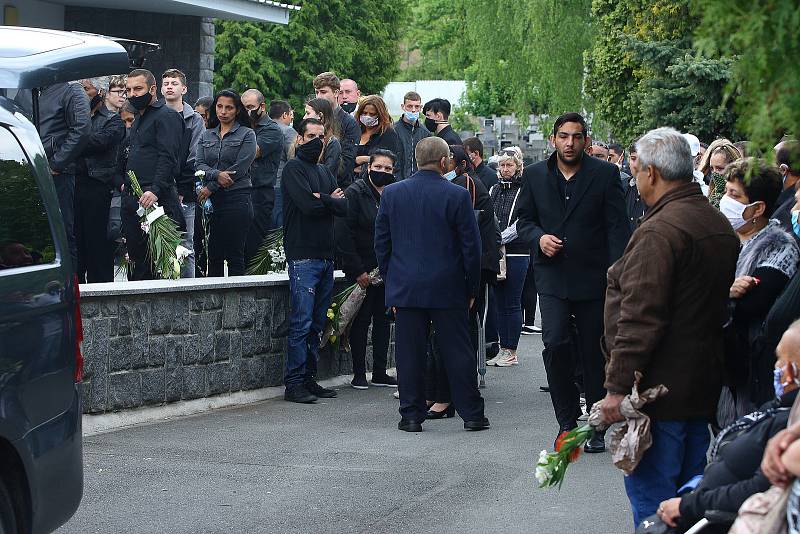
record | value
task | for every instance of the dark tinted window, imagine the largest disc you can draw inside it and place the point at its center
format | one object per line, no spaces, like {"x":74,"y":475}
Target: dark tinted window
{"x":25,"y":237}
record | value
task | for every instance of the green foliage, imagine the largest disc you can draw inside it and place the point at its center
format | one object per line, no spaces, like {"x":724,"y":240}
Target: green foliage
{"x":354,"y":39}
{"x":762,"y":37}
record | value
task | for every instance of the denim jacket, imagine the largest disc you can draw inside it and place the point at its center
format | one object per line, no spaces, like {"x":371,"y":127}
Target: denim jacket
{"x":235,"y":152}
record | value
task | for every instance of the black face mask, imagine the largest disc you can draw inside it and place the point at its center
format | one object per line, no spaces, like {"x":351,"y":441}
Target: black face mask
{"x":431,"y":124}
{"x":349,"y":106}
{"x":96,"y":100}
{"x":310,"y":151}
{"x":381,"y":179}
{"x":255,"y":115}
{"x":140,"y":102}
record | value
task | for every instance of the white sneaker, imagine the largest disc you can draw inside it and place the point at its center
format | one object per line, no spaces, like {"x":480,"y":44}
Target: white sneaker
{"x":508,"y":360}
{"x":500,"y":356}
{"x":396,"y":394}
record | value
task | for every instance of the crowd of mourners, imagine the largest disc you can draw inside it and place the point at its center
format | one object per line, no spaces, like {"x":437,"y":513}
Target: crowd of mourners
{"x":673,"y":260}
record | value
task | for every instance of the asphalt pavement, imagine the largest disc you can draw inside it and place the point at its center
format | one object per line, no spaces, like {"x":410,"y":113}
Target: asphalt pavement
{"x":341,"y":466}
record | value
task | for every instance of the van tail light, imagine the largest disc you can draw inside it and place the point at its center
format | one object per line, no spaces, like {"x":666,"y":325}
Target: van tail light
{"x":78,"y":333}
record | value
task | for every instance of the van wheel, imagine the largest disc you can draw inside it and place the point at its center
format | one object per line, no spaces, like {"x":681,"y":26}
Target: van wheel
{"x":8,"y":521}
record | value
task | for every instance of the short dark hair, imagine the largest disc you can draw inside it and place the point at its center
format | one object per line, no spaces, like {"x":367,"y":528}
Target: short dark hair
{"x":204,"y":101}
{"x":762,"y":182}
{"x":789,"y":154}
{"x":174,"y":73}
{"x":327,"y":79}
{"x":438,"y":105}
{"x":305,"y":123}
{"x":616,"y":147}
{"x":382,"y":152}
{"x":242,"y":117}
{"x":459,"y":155}
{"x":473,"y":144}
{"x":277,"y":108}
{"x":413,"y":96}
{"x":148,"y":76}
{"x":570,"y":117}
{"x":632,"y":147}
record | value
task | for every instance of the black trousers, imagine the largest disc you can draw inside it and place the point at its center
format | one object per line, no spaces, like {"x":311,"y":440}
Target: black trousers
{"x":230,"y":222}
{"x":136,"y":239}
{"x":529,"y":296}
{"x":263,"y":199}
{"x":560,"y":357}
{"x":437,"y":388}
{"x":95,"y":250}
{"x":457,"y":356}
{"x":65,"y":191}
{"x":373,"y":310}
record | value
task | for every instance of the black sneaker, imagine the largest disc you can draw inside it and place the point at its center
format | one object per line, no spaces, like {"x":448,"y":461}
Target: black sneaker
{"x":359,"y":382}
{"x":299,"y":394}
{"x":529,"y":330}
{"x":319,"y":391}
{"x":384,"y":380}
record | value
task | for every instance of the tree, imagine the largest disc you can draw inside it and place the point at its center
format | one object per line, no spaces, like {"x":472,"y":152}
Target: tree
{"x":761,"y":37}
{"x":356,"y":40}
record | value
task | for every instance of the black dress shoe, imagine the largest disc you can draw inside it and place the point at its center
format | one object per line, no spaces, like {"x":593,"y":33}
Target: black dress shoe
{"x":319,"y":391}
{"x":544,"y":389}
{"x":597,"y":443}
{"x":299,"y":394}
{"x":409,"y":426}
{"x":480,"y":424}
{"x":450,"y":411}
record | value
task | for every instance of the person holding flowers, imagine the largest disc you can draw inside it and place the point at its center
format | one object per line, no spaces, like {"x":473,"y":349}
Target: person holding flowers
{"x":225,"y":152}
{"x":356,"y":244}
{"x":311,"y":199}
{"x":666,"y":304}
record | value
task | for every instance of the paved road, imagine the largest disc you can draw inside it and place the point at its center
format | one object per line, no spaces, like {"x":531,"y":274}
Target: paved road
{"x":342,"y":467}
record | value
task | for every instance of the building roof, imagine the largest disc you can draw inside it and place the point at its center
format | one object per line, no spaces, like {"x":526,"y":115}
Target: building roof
{"x":252,"y":10}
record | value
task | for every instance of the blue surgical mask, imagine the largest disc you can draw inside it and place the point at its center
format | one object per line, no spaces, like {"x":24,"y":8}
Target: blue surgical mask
{"x":776,"y":382}
{"x":450,"y":176}
{"x":411,"y":116}
{"x":796,"y":223}
{"x":777,"y":378}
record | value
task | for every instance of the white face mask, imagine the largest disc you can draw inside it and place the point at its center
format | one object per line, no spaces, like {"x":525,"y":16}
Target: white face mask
{"x":733,"y":210}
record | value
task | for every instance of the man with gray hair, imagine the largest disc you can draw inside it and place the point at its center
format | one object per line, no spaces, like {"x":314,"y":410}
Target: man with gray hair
{"x":431,"y":278}
{"x":666,"y":304}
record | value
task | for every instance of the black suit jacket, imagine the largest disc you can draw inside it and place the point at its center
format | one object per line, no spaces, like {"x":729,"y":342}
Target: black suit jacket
{"x":594,"y":229}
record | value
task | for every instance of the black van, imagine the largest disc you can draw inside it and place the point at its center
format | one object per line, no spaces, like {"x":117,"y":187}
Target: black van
{"x":41,"y":455}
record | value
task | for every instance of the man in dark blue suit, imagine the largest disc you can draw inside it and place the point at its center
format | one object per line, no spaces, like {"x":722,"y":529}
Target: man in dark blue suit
{"x":429,"y":254}
{"x":573,"y":210}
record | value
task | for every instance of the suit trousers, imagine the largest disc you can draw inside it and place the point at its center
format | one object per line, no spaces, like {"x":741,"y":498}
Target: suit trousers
{"x":95,"y":250}
{"x":457,"y":356}
{"x":559,"y":356}
{"x":263,"y":199}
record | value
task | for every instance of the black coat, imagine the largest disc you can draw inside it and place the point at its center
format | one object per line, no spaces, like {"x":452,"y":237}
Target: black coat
{"x":450,"y":136}
{"x":156,"y":148}
{"x":487,"y":175}
{"x":388,"y":140}
{"x":489,"y":230}
{"x":101,"y":151}
{"x":355,"y":233}
{"x":350,"y":134}
{"x":735,"y":474}
{"x":594,"y":229}
{"x":636,"y":206}
{"x":269,"y":139}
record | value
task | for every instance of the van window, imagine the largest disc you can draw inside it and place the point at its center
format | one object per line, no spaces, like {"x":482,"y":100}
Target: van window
{"x":25,"y":237}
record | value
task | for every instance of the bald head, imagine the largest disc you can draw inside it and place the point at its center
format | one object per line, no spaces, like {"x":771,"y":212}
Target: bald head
{"x":430,"y":152}
{"x":788,"y":349}
{"x":348,"y":91}
{"x":253,"y":94}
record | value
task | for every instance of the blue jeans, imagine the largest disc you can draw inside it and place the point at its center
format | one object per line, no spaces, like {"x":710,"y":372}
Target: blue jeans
{"x":311,"y":289}
{"x":678,"y":454}
{"x":509,"y":301}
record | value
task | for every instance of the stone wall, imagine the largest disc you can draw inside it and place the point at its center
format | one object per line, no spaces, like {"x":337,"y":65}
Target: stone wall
{"x":150,"y":343}
{"x":187,"y":43}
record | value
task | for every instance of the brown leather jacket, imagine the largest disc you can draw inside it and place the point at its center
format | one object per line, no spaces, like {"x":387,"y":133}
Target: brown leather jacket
{"x":666,"y":304}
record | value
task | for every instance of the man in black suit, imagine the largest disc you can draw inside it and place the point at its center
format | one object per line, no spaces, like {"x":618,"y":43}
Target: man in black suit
{"x":573,"y":209}
{"x":431,"y":277}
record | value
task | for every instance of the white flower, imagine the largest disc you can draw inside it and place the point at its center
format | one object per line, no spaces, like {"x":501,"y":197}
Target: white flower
{"x":145,"y":228}
{"x":182,"y":252}
{"x":176,"y":267}
{"x":542,"y":458}
{"x":542,"y":474}
{"x":200,"y":174}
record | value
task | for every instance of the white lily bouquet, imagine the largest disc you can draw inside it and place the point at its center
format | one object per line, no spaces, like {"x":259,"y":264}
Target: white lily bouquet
{"x":270,"y":258}
{"x":163,"y":237}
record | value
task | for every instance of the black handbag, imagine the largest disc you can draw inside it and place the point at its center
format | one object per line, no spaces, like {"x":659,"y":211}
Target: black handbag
{"x":653,"y":525}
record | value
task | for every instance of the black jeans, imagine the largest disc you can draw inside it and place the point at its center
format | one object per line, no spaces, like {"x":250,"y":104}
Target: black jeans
{"x":136,"y":239}
{"x":560,"y":357}
{"x":529,"y":296}
{"x":263,"y":199}
{"x":65,"y":190}
{"x":373,"y":310}
{"x":95,"y":250}
{"x":230,"y":222}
